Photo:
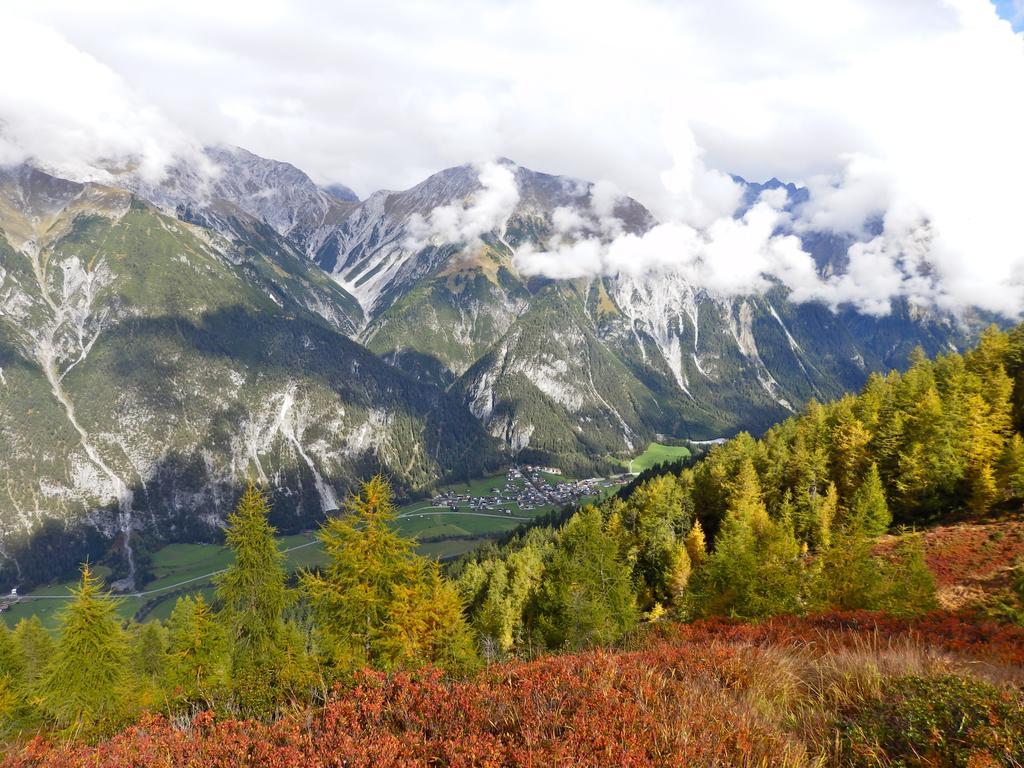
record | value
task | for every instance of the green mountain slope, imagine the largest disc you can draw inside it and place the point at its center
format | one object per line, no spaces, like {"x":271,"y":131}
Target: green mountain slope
{"x":149,"y":367}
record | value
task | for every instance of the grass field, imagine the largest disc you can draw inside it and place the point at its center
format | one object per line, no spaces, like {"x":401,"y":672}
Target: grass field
{"x":172,"y":565}
{"x":657,"y":453}
{"x":176,"y":563}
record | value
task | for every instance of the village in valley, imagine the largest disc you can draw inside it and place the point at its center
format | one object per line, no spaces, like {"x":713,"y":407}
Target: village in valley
{"x":527,"y":488}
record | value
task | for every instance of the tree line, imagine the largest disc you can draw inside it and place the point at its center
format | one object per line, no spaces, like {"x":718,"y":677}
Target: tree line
{"x":787,"y":524}
{"x":262,"y":647}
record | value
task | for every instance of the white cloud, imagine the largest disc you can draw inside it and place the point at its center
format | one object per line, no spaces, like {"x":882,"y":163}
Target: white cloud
{"x":65,"y":109}
{"x":488,"y":209}
{"x":907,"y":111}
{"x":731,"y":256}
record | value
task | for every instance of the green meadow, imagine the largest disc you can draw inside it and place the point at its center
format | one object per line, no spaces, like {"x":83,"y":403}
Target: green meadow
{"x":656,"y":454}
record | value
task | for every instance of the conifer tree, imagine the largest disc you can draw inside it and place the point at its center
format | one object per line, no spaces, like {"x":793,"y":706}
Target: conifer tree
{"x":253,"y":593}
{"x":298,"y":672}
{"x":679,"y":574}
{"x":827,"y":513}
{"x":496,"y":592}
{"x":149,"y":663}
{"x":151,"y":651}
{"x":196,"y":650}
{"x":35,"y":646}
{"x":696,"y":547}
{"x":87,"y":685}
{"x":753,"y":570}
{"x":11,"y":661}
{"x":1010,"y":474}
{"x":13,"y":699}
{"x":657,"y":558}
{"x":493,"y":619}
{"x":378,"y":602}
{"x":849,"y":576}
{"x":849,"y":447}
{"x":911,"y":582}
{"x":426,"y":625}
{"x":585,"y":598}
{"x":813,"y":516}
{"x":869,"y":511}
{"x":983,"y":491}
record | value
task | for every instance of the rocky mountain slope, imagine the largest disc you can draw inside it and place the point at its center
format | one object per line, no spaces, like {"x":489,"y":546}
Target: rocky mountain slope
{"x":161,"y":342}
{"x":570,"y":371}
{"x":148,"y":366}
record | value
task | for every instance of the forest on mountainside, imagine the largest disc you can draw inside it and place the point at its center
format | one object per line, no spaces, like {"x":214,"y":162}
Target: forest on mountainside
{"x":792,"y":519}
{"x":818,"y":521}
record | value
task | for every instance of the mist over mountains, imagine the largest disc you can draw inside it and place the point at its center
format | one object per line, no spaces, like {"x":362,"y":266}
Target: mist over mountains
{"x":163,"y":341}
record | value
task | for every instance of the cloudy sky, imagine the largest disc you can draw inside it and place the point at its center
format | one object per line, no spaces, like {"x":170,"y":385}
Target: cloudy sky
{"x":907,"y":110}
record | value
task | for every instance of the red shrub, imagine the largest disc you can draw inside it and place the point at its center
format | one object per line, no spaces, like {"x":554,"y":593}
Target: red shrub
{"x":962,"y":635}
{"x":680,"y":700}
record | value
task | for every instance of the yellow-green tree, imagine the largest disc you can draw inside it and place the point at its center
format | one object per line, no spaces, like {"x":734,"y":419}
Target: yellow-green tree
{"x":35,"y":647}
{"x":696,"y":546}
{"x":377,"y":602}
{"x":149,"y":662}
{"x":585,"y":598}
{"x":753,"y":570}
{"x":254,"y":596}
{"x":869,"y":511}
{"x":1010,"y":469}
{"x":87,"y":686}
{"x":14,"y":701}
{"x":849,"y":577}
{"x":910,"y":583}
{"x":197,"y":653}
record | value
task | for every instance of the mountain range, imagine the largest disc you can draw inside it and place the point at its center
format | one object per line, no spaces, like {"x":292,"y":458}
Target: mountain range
{"x":162,"y":342}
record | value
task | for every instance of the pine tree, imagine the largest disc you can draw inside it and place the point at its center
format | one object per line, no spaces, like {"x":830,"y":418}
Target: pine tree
{"x":827,"y":512}
{"x":254,"y":596}
{"x":151,"y":651}
{"x":1010,"y":474}
{"x":983,"y":491}
{"x":585,"y":598}
{"x":696,"y":547}
{"x":493,"y":618}
{"x":425,"y":624}
{"x":813,"y":516}
{"x":656,"y":560}
{"x":931,"y":459}
{"x":911,"y":583}
{"x":849,"y":447}
{"x":13,"y":698}
{"x":869,"y":510}
{"x":196,"y":650}
{"x":87,"y":685}
{"x":11,"y":661}
{"x":753,"y":570}
{"x":378,"y":602}
{"x":849,"y":576}
{"x":679,"y":574}
{"x":36,"y":647}
{"x":149,"y":663}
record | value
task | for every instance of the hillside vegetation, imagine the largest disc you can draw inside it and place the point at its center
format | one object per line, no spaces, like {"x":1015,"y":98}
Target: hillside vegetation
{"x":848,"y":689}
{"x":379,"y":658}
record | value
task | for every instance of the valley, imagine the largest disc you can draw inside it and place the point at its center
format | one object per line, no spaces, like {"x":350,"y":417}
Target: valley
{"x":512,"y":384}
{"x":458,"y":519}
{"x":162,"y":343}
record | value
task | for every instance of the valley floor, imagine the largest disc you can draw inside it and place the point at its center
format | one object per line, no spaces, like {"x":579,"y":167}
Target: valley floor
{"x":458,"y":519}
